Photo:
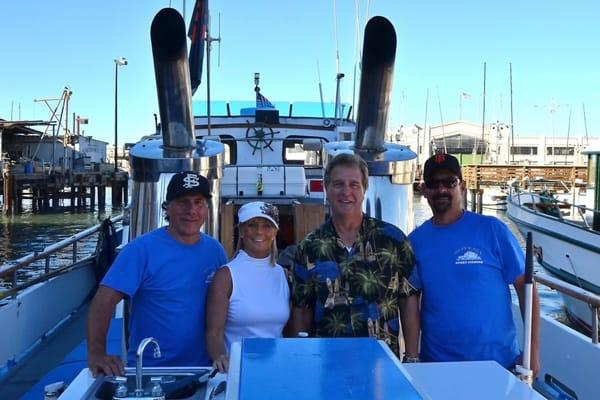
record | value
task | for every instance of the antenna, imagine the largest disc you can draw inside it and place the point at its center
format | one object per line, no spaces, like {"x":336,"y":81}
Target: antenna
{"x":320,"y":90}
{"x":356,"y":53}
{"x":337,"y":44}
{"x":209,"y":39}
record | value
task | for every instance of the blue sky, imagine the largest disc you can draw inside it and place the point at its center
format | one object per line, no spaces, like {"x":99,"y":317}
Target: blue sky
{"x":442,"y":46}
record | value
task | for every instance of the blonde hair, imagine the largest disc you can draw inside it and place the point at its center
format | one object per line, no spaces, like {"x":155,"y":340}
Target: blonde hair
{"x":240,"y":244}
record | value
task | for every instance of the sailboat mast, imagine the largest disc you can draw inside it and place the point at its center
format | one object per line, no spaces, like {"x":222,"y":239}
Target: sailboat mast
{"x":442,"y":121}
{"x":587,"y":139}
{"x":512,"y":123}
{"x":483,"y":118}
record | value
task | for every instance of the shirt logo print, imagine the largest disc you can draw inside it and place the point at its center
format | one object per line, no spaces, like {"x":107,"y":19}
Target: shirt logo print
{"x":469,"y":256}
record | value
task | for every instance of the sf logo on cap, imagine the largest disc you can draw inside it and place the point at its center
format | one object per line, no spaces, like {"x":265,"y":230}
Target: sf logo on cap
{"x":191,"y":181}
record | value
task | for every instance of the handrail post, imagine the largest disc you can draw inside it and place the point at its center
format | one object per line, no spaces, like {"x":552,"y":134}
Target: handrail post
{"x":14,"y":279}
{"x":595,"y":324}
{"x":74,"y":252}
{"x":47,"y":265}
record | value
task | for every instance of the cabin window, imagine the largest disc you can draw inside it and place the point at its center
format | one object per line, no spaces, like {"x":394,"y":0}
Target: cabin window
{"x":592,"y":168}
{"x":294,"y":153}
{"x":230,"y":154}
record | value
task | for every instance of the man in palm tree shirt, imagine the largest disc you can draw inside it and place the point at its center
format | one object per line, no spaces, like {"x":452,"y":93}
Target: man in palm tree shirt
{"x":350,"y":274}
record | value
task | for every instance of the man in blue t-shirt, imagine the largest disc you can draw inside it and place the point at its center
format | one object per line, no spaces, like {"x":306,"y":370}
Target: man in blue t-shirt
{"x":165,"y":274}
{"x":465,"y":263}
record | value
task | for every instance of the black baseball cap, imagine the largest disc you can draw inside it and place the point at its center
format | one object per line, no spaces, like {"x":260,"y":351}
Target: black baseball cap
{"x":187,"y":182}
{"x":441,"y":161}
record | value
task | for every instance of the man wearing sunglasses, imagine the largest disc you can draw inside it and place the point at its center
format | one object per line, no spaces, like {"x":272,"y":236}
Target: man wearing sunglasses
{"x":465,"y":263}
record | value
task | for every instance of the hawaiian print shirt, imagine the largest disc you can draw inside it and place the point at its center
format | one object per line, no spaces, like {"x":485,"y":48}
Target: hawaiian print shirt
{"x":354,"y":293}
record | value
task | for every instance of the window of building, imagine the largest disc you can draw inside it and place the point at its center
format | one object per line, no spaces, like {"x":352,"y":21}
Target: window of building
{"x":560,"y":151}
{"x":524,"y":150}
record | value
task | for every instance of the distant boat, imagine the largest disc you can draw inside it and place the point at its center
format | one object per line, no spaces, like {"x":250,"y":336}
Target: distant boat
{"x":566,"y":238}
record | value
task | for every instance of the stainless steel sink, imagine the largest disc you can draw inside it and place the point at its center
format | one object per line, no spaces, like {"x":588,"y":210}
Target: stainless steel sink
{"x":176,"y":383}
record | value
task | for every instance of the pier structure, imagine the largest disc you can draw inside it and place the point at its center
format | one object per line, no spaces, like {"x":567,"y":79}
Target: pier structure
{"x":556,"y":178}
{"x":49,"y":170}
{"x":53,"y":189}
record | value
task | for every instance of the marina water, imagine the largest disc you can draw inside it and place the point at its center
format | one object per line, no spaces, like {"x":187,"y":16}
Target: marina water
{"x":28,"y":232}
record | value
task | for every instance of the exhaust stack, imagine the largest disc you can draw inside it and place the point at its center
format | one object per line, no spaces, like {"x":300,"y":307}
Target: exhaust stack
{"x":379,"y":54}
{"x":391,"y":166}
{"x":172,"y":71}
{"x":154,"y":161}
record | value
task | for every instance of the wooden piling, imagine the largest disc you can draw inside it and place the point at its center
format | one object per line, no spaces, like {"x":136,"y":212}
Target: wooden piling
{"x":480,"y":201}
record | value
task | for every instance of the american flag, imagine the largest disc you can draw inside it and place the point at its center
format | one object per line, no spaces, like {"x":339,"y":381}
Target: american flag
{"x":197,"y":33}
{"x":262,"y":101}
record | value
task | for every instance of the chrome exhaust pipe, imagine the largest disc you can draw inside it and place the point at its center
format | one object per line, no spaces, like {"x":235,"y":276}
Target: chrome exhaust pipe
{"x":172,"y":72}
{"x":379,"y":53}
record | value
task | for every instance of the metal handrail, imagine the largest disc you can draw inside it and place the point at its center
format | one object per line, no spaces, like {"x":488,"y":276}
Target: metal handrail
{"x":593,"y":300}
{"x":9,"y":268}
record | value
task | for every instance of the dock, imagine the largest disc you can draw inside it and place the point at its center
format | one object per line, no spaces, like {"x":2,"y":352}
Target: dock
{"x":555,"y":178}
{"x":478,"y":176}
{"x":49,"y":189}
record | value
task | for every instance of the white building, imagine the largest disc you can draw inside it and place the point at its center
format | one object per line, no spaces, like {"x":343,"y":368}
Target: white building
{"x":92,"y":149}
{"x":492,"y":145}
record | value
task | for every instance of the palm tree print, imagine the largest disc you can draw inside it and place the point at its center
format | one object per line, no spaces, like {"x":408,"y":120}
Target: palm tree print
{"x":323,"y":247}
{"x":334,"y":324}
{"x":369,"y":279}
{"x":369,"y":283}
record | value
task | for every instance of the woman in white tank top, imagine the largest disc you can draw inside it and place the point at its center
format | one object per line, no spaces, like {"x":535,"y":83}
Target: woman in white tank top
{"x":249,"y":297}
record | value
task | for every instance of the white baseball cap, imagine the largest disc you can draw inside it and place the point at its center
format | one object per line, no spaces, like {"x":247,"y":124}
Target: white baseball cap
{"x":259,"y":209}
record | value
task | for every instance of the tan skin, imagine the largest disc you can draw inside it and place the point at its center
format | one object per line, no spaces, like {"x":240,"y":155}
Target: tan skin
{"x":186,"y":214}
{"x":345,"y":194}
{"x":446,"y":205}
{"x":257,"y":236}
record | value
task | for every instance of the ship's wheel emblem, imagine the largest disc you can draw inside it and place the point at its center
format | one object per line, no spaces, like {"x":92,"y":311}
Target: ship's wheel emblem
{"x":260,"y":136}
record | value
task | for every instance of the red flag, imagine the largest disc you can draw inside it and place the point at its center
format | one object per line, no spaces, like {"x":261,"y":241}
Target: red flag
{"x":197,"y":33}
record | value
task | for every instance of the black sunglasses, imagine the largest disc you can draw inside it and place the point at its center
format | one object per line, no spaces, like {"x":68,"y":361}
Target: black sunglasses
{"x":448,"y":183}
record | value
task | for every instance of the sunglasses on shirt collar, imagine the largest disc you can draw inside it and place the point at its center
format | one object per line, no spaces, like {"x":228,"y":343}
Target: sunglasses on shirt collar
{"x":448,"y":183}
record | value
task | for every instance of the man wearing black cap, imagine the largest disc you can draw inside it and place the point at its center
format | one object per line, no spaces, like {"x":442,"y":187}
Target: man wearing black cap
{"x":465,"y":263}
{"x":165,"y":274}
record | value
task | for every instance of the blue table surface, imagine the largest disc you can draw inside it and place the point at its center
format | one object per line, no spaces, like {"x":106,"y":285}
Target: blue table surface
{"x":341,"y":368}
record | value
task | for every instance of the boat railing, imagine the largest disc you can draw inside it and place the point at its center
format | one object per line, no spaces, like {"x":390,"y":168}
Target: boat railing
{"x":576,"y":292}
{"x":9,"y":270}
{"x":552,"y":206}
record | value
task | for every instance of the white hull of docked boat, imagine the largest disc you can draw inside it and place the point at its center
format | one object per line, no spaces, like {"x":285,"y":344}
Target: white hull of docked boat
{"x":564,"y":247}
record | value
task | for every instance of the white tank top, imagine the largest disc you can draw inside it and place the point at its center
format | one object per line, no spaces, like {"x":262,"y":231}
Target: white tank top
{"x":259,"y":302}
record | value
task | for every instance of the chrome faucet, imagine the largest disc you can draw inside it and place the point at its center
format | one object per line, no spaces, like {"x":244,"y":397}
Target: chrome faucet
{"x":139,"y":390}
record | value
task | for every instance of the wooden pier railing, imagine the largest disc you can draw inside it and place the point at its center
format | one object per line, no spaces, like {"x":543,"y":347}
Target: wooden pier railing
{"x":476,"y":176}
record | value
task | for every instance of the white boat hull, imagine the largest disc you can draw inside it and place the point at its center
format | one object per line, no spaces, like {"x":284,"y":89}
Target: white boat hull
{"x":566,"y":250}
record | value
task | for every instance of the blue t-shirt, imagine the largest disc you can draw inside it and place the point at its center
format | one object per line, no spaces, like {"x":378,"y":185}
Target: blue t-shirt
{"x":464,"y":271}
{"x":167,"y":282}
